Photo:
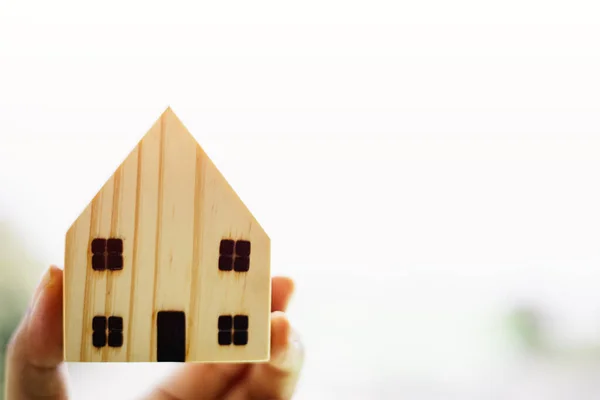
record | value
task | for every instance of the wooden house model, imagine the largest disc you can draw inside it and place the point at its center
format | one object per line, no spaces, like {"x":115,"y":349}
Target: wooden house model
{"x":166,"y":263}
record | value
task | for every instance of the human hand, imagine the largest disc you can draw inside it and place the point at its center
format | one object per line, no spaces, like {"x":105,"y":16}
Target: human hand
{"x":35,"y":353}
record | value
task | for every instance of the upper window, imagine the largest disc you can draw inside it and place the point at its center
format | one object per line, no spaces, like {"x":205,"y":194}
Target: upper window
{"x":234,"y":255}
{"x":107,"y":254}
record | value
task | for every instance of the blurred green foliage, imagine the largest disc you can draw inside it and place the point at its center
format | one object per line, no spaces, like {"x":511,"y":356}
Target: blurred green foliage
{"x":18,"y":276}
{"x":11,"y":315}
{"x":526,"y":325}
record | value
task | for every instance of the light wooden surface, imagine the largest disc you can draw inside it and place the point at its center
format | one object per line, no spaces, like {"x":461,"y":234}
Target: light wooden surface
{"x":171,"y":207}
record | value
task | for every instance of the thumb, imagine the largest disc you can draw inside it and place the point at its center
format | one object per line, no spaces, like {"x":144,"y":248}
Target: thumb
{"x":35,"y":351}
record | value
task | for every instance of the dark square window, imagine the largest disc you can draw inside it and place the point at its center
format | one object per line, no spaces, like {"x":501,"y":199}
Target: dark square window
{"x":225,"y":322}
{"x":99,"y":338}
{"x":114,"y":246}
{"x":226,"y":247}
{"x":225,"y":263}
{"x":99,"y":323}
{"x":115,"y":323}
{"x":240,"y":322}
{"x":98,"y":246}
{"x":225,"y":338}
{"x":240,"y":338}
{"x":98,"y":262}
{"x":114,"y":262}
{"x":115,"y":339}
{"x":242,"y":248}
{"x":242,"y":264}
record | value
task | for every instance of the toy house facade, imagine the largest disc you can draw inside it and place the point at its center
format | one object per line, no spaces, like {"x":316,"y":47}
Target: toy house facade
{"x":166,"y":263}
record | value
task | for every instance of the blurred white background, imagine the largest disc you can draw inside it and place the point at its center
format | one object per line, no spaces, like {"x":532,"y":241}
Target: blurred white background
{"x":428,"y":173}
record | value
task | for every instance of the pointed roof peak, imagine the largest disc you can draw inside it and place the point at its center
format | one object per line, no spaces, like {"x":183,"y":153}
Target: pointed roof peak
{"x":169,"y":110}
{"x":172,"y":124}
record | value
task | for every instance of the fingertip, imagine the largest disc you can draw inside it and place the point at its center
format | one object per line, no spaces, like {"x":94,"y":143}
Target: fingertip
{"x":56,"y":270}
{"x":283,"y":290}
{"x":280,"y":331}
{"x":286,"y":347}
{"x":285,"y":283}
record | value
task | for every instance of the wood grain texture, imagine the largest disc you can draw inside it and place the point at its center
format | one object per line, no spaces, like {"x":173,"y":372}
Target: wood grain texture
{"x":171,"y":206}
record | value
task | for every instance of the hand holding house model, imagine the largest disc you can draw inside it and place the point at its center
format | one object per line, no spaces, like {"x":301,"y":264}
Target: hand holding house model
{"x":166,"y":263}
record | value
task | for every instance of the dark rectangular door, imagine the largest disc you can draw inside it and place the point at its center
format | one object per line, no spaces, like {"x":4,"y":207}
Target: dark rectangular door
{"x":170,"y":336}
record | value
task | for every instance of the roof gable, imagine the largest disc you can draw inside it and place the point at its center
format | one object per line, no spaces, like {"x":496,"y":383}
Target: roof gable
{"x":173,"y":137}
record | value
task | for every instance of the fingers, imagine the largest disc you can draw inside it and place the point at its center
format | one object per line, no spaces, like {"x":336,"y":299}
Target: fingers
{"x":35,"y":352}
{"x":199,"y":382}
{"x":282,"y":290}
{"x":276,"y":379}
{"x":214,"y":381}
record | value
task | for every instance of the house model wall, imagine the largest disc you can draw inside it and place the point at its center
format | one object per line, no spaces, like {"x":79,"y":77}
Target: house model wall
{"x":166,"y":263}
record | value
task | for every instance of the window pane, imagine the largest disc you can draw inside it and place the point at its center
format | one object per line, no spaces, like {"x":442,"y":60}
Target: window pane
{"x":98,"y":246}
{"x":98,"y":262}
{"x":99,"y":338}
{"x":114,"y":245}
{"x":224,"y":338}
{"x":115,"y":339}
{"x":226,"y":248}
{"x":242,"y":264}
{"x":242,"y":248}
{"x":225,"y":263}
{"x":99,"y":323}
{"x":115,"y":324}
{"x":115,"y":262}
{"x":240,"y":322}
{"x":240,"y":338}
{"x":225,"y":322}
